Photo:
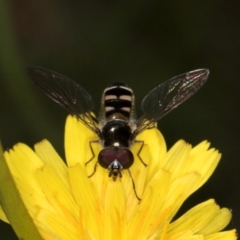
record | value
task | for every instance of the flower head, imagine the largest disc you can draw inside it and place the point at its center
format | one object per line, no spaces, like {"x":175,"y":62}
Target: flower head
{"x":63,"y":202}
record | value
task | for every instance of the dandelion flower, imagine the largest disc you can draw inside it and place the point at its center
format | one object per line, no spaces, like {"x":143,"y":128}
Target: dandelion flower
{"x":61,"y":202}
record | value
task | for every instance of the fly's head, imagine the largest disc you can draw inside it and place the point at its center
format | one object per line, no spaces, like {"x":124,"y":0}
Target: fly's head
{"x":115,"y":159}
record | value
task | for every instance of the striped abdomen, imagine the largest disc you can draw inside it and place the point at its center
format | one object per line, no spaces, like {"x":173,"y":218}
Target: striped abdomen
{"x":118,"y":99}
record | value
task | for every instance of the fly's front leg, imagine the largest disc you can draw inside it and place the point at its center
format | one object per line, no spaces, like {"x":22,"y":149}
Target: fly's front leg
{"x":133,"y":184}
{"x":93,"y":156}
{"x":94,"y":170}
{"x":139,"y":151}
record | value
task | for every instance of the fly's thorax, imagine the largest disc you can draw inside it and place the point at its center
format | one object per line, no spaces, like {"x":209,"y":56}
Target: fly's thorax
{"x":116,"y":133}
{"x":117,"y":116}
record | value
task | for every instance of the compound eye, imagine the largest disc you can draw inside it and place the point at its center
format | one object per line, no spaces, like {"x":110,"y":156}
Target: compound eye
{"x":106,"y":157}
{"x":123,"y":155}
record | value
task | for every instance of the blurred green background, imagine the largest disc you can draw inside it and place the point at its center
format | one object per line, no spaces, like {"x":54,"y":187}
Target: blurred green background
{"x":142,"y":43}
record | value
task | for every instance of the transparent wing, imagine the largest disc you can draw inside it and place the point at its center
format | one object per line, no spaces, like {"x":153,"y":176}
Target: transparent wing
{"x":66,"y":93}
{"x":167,"y":96}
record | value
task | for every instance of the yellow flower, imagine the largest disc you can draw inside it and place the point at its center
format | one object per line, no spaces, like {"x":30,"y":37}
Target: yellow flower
{"x":64,"y":203}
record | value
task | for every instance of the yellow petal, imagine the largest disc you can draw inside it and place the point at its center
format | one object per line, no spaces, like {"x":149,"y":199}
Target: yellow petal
{"x":219,"y":222}
{"x":148,"y":214}
{"x":156,"y":148}
{"x":205,"y":163}
{"x":50,"y":157}
{"x":77,"y":137}
{"x":194,"y":220}
{"x":192,"y":237}
{"x":87,"y":201}
{"x":226,"y":235}
{"x":3,"y":217}
{"x":56,"y":193}
{"x":114,"y":211}
{"x":13,"y":206}
{"x":52,"y":227}
{"x":177,"y":159}
{"x":24,"y":163}
{"x":178,"y":192}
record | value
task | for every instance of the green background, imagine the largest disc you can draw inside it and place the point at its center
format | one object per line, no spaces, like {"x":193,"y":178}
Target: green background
{"x":142,"y":43}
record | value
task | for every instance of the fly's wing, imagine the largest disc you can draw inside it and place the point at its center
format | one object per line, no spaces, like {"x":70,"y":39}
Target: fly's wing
{"x":167,"y":96}
{"x":66,"y":93}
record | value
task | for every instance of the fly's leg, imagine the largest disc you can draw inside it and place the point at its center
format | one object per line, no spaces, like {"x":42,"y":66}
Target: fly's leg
{"x":93,"y":156}
{"x":133,"y":184}
{"x":139,"y":151}
{"x":94,"y":170}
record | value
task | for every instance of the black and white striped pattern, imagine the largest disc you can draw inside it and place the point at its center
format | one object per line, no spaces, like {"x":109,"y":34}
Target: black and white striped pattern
{"x":118,"y":99}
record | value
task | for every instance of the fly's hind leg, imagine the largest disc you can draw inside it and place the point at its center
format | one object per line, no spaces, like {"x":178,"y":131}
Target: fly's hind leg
{"x":93,"y":156}
{"x":139,"y":151}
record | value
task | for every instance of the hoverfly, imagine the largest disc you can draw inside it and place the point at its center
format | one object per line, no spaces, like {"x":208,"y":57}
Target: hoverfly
{"x":116,"y":125}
